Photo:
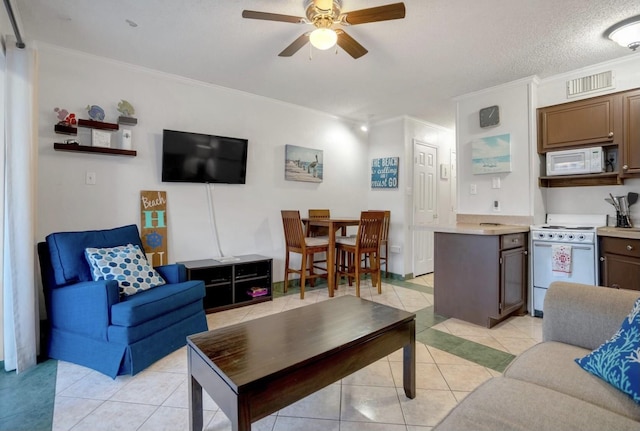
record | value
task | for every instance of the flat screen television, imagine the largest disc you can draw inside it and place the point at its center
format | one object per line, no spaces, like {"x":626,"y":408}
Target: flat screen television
{"x":200,"y":158}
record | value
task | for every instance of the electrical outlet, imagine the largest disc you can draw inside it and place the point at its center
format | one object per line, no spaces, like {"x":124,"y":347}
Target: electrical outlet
{"x":90,"y":178}
{"x":612,"y":158}
{"x":473,"y":189}
{"x":496,"y":206}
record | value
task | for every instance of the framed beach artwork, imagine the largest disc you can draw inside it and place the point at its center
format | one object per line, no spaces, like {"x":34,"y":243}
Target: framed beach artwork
{"x":303,"y":164}
{"x":491,"y":154}
{"x":384,"y":173}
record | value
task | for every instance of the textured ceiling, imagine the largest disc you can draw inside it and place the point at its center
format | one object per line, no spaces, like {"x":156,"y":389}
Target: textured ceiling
{"x":415,"y":66}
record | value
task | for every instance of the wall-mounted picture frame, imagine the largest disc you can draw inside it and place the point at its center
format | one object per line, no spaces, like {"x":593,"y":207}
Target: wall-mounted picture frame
{"x":491,"y":154}
{"x":303,"y":164}
{"x":384,"y":173}
{"x":100,"y":138}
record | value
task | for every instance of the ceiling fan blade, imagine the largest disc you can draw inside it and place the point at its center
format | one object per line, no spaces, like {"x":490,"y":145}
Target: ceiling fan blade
{"x":349,"y":44}
{"x":272,"y":16}
{"x":295,"y":46}
{"x":374,"y":14}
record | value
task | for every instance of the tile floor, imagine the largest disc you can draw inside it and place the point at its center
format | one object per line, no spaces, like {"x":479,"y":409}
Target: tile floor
{"x":453,"y":358}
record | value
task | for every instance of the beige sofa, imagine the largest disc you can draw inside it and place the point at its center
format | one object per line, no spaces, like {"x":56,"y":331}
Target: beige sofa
{"x":543,"y":388}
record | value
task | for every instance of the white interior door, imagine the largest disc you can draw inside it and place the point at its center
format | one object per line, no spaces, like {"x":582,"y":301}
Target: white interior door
{"x":424,"y":205}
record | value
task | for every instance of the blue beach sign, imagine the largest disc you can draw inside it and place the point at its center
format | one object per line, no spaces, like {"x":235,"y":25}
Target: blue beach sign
{"x":384,"y":173}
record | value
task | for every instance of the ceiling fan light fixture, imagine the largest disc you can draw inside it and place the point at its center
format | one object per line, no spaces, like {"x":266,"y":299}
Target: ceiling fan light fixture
{"x":323,"y":38}
{"x":626,"y":33}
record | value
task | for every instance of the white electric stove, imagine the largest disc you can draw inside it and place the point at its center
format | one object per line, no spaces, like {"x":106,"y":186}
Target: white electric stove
{"x":577,"y":233}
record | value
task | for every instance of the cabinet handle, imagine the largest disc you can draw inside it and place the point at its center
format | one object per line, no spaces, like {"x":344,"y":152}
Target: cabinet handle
{"x":611,"y":134}
{"x":601,"y":259}
{"x":615,"y":286}
{"x":526,"y":252}
{"x":629,"y":247}
{"x":625,"y":167}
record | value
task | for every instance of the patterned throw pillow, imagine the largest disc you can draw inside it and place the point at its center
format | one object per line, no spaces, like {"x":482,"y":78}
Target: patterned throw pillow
{"x":126,"y":264}
{"x":618,"y":360}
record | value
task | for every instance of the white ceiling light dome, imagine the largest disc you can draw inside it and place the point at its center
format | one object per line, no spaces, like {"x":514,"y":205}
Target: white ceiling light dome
{"x":323,"y":38}
{"x":626,"y":33}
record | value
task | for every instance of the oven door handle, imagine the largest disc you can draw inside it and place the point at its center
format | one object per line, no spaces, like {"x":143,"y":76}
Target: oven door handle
{"x":573,"y":246}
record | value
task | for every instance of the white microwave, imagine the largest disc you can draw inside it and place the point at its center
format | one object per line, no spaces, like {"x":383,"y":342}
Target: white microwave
{"x":576,"y":161}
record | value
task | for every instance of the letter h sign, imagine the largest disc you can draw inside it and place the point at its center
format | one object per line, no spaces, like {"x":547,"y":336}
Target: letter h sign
{"x":153,"y":219}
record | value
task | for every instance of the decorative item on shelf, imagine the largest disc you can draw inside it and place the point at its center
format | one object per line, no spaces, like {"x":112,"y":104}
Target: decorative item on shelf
{"x":95,"y":112}
{"x":100,"y":138}
{"x":127,"y":111}
{"x":66,"y":122}
{"x":125,"y":139}
{"x":257,"y":291}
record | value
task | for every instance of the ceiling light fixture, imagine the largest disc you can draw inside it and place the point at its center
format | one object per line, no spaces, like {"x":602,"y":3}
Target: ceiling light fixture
{"x":626,"y":33}
{"x":323,"y":38}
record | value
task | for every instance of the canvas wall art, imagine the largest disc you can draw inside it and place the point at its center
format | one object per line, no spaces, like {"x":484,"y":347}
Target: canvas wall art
{"x":303,"y":164}
{"x":384,"y":173}
{"x":491,"y":154}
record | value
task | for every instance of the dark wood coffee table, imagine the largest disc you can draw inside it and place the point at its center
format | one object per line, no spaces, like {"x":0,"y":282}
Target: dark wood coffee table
{"x":255,"y":368}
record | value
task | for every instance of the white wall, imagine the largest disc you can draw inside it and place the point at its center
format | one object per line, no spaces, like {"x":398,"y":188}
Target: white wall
{"x":517,"y":186}
{"x":394,"y":138}
{"x":248,"y":216}
{"x":386,"y":139}
{"x":590,"y":200}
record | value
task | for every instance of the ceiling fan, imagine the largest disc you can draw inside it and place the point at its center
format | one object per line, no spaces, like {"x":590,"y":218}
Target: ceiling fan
{"x":327,"y":17}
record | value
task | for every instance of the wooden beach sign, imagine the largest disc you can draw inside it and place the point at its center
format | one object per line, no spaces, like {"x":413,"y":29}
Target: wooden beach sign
{"x":153,"y":220}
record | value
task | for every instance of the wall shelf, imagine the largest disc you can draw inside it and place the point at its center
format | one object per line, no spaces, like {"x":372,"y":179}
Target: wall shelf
{"x":97,"y":125}
{"x":88,"y":149}
{"x":604,"y":179}
{"x":65,"y":130}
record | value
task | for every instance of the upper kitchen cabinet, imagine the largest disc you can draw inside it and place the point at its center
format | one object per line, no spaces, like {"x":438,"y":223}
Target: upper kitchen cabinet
{"x":595,"y":121}
{"x":631,"y":126}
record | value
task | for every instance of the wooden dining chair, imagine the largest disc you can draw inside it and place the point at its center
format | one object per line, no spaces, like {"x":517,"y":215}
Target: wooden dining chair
{"x":297,"y":242}
{"x":352,"y":250}
{"x":384,"y":243}
{"x":319,"y":232}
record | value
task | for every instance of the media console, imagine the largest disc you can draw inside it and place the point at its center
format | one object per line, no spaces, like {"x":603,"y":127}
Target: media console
{"x":232,"y":282}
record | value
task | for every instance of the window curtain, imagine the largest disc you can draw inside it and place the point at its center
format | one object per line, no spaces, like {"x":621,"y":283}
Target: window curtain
{"x":20,"y":299}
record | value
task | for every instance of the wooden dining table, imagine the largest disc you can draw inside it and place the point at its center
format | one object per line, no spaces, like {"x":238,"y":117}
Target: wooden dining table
{"x":333,"y":224}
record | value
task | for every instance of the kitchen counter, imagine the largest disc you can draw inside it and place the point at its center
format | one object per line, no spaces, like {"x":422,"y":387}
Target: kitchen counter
{"x":482,"y":229}
{"x":619,"y":232}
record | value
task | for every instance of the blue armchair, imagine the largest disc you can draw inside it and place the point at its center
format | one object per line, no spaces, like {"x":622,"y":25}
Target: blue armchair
{"x":93,"y":325}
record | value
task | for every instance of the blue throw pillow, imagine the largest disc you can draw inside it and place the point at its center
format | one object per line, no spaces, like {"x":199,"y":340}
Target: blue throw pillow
{"x":127,"y":265}
{"x":618,"y":360}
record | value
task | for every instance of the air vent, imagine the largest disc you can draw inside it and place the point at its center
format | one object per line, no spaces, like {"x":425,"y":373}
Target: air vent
{"x":590,"y":84}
